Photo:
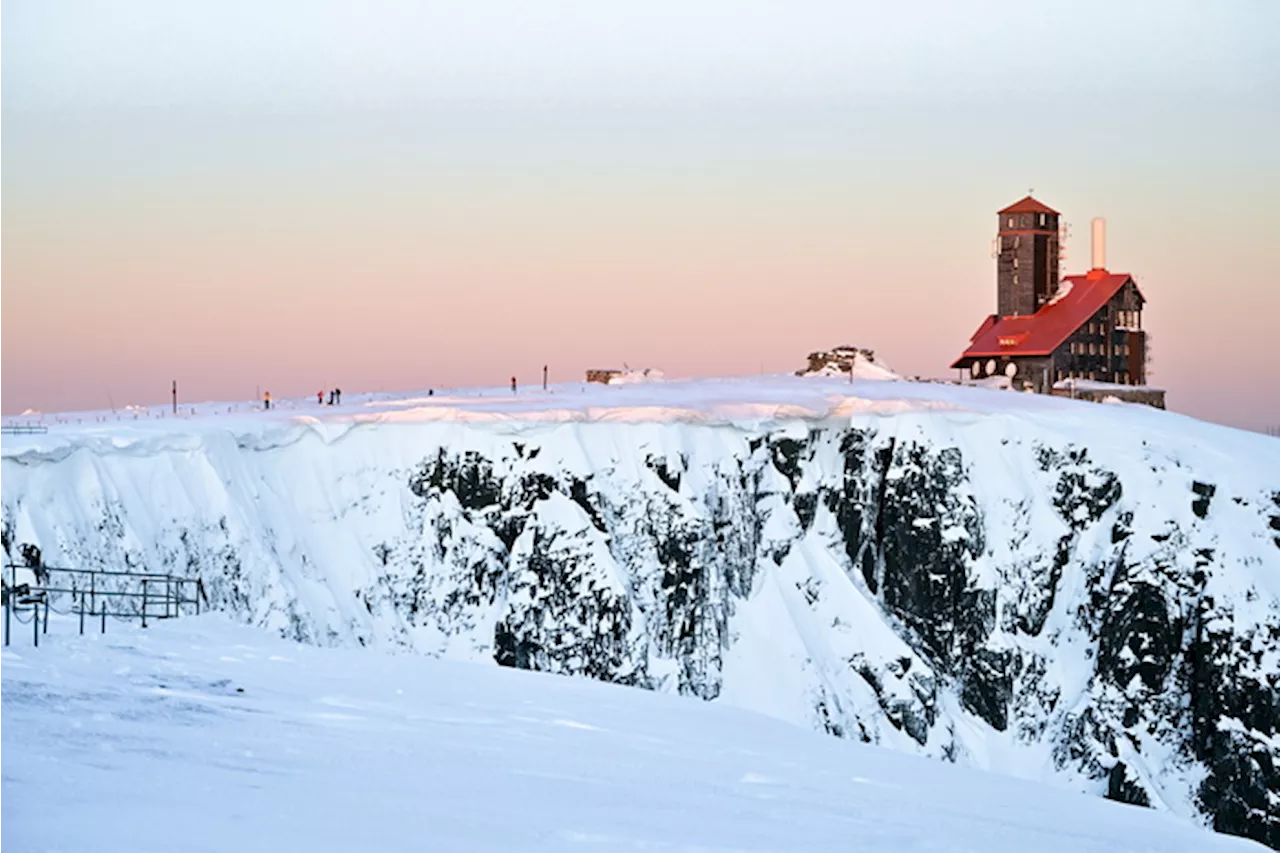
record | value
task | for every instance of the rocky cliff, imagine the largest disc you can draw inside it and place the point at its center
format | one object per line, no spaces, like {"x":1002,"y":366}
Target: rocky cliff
{"x":1057,"y":590}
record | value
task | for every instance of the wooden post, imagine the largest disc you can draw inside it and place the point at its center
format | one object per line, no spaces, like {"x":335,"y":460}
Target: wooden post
{"x":144,"y":602}
{"x":544,"y":377}
{"x":175,"y":396}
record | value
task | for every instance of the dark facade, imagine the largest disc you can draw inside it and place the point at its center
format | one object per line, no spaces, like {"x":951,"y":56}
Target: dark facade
{"x":1110,"y":347}
{"x":1027,"y":257}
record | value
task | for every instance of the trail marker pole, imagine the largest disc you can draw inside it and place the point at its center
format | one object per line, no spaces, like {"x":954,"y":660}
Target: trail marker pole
{"x":544,"y":377}
{"x":175,"y":397}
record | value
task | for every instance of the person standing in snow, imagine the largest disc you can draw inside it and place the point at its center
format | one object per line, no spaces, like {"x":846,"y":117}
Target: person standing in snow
{"x":266,"y":400}
{"x":320,"y":398}
{"x":337,"y":396}
{"x":513,"y":385}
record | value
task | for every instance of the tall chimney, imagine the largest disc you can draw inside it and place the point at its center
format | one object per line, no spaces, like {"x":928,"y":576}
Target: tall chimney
{"x":1099,"y":243}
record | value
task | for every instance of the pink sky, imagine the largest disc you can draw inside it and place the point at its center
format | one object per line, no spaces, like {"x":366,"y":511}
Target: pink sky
{"x":267,"y":247}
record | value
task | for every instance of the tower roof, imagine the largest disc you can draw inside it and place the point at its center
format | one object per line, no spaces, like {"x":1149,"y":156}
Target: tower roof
{"x":1029,"y":205}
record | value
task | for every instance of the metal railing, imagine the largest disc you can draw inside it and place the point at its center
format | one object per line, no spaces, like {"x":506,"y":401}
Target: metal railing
{"x":94,"y":594}
{"x":24,"y":429}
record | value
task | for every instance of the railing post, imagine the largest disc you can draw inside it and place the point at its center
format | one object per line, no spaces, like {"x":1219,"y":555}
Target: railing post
{"x":93,"y":597}
{"x":144,"y":602}
{"x":35,"y":624}
{"x":46,"y":612}
{"x":104,"y":616}
{"x":81,"y":601}
{"x":8,"y":606}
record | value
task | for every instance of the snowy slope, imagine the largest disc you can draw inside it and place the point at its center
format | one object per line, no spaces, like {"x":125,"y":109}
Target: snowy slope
{"x":1086,"y":595}
{"x":201,"y":735}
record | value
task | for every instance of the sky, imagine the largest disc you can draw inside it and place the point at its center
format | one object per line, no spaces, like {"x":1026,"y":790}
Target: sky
{"x":291,"y":196}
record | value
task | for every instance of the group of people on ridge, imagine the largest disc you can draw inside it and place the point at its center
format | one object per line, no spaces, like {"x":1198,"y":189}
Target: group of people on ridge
{"x":335,"y":398}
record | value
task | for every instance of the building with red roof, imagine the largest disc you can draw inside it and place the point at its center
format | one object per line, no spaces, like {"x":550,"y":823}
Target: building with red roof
{"x":1050,"y":330}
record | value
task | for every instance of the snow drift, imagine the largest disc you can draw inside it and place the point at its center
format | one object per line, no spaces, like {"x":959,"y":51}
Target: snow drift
{"x":200,"y":735}
{"x":1083,"y":594}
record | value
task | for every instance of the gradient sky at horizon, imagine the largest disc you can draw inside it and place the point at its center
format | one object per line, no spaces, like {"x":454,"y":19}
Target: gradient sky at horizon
{"x":405,"y":195}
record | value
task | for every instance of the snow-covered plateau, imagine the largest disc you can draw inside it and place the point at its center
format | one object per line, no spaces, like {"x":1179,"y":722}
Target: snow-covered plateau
{"x":1079,"y":594}
{"x":202,"y":735}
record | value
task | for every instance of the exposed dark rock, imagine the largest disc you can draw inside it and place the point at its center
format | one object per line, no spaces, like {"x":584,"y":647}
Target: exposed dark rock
{"x":988,"y":686}
{"x":1204,"y":494}
{"x":1124,"y":788}
{"x":1138,"y":636}
{"x":666,"y":473}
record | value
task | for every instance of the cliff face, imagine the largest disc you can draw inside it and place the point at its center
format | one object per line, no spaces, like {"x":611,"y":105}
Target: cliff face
{"x":1078,"y":602}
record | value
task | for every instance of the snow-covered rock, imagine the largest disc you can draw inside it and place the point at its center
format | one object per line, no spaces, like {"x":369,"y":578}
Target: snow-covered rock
{"x":847,"y":361}
{"x":1086,"y":595}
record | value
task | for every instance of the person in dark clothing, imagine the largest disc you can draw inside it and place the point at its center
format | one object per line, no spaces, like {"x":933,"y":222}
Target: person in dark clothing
{"x":320,"y":398}
{"x":266,"y":400}
{"x":337,"y":396}
{"x":330,"y":397}
{"x":513,"y":385}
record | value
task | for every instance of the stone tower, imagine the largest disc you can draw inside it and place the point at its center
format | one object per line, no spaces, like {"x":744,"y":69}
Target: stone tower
{"x":1027,"y":257}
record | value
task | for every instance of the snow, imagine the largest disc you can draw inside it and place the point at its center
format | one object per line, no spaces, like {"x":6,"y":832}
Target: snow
{"x":201,"y":735}
{"x":304,"y":518}
{"x":749,"y":401}
{"x":631,"y":376}
{"x":1095,"y":385}
{"x":1064,"y":290}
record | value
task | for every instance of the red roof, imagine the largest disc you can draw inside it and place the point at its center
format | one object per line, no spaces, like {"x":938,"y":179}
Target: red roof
{"x":1044,"y":331}
{"x":1029,"y":205}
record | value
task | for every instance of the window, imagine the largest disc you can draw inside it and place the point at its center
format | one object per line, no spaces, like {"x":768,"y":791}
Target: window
{"x":1042,"y":220}
{"x":1093,"y":348}
{"x":1010,"y":221}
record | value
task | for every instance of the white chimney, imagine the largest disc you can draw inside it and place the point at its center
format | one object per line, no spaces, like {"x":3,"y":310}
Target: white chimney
{"x":1099,"y":243}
